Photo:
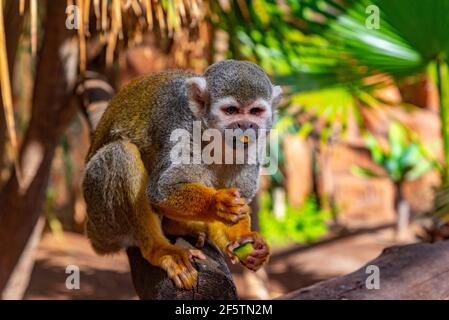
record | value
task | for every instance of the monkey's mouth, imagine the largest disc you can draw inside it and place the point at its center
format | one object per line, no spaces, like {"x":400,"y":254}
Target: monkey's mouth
{"x":242,"y":141}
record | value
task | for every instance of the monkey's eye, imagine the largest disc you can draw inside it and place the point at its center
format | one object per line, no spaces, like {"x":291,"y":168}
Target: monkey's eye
{"x":231,"y":110}
{"x":256,"y":111}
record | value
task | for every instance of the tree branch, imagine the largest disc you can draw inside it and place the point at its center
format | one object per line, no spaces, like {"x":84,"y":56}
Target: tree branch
{"x":214,"y":278}
{"x":408,"y":272}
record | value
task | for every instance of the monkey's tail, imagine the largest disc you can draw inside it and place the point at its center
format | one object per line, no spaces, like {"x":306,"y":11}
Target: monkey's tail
{"x":94,"y":93}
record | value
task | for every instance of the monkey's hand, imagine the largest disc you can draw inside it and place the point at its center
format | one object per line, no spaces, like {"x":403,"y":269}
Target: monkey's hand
{"x":228,"y":206}
{"x":257,"y":257}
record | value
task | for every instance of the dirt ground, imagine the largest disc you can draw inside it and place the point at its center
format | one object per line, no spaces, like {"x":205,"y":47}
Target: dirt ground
{"x":108,"y":277}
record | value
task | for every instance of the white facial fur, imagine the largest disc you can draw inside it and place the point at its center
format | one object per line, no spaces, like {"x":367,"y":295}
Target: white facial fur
{"x":276,"y":96}
{"x":263,"y":120}
{"x":197,"y":91}
{"x":198,"y":97}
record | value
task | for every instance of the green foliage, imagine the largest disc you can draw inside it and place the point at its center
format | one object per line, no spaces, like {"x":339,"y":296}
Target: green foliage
{"x":404,"y":159}
{"x":313,"y":44}
{"x":299,"y":225}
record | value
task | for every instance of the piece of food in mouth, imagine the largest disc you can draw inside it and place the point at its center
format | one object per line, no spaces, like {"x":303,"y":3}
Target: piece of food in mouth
{"x":244,"y":250}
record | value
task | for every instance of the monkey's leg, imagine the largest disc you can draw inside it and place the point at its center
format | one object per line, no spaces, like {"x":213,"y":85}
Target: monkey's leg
{"x":227,"y":238}
{"x":119,"y":212}
{"x":160,"y":252}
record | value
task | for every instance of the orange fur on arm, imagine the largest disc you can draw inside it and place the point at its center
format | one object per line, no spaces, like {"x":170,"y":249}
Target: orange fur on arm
{"x":189,"y":201}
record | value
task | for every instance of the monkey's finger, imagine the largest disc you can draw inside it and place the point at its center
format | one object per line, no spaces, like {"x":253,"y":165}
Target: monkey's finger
{"x":259,"y":243}
{"x":243,"y":209}
{"x":249,"y":265}
{"x":236,"y":201}
{"x":256,"y":261}
{"x":240,"y":217}
{"x":250,"y":259}
{"x":238,"y":206}
{"x":227,"y":193}
{"x":259,"y":253}
{"x":257,"y":258}
{"x":175,"y":279}
{"x":228,"y":218}
{"x":185,"y":261}
{"x":178,"y":282}
{"x":240,"y":241}
{"x":196,"y":254}
{"x":199,"y":244}
{"x":240,"y":211}
{"x":201,"y":240}
{"x":232,"y":257}
{"x":187,"y":283}
{"x":175,"y":268}
{"x":191,"y":268}
{"x":187,"y":274}
{"x":233,"y":192}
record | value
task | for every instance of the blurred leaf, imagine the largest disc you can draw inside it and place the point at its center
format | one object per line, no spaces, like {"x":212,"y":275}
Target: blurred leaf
{"x":419,"y":169}
{"x":397,"y":139}
{"x":411,"y":155}
{"x":376,"y":150}
{"x":363,"y":172}
{"x":306,"y":128}
{"x":407,"y":158}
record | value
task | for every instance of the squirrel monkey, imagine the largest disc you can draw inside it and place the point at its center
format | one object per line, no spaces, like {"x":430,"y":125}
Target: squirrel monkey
{"x":136,"y":195}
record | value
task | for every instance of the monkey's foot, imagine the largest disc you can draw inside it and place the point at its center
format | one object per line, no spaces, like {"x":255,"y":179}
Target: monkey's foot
{"x":257,"y":257}
{"x":179,"y":267}
{"x":230,"y":206}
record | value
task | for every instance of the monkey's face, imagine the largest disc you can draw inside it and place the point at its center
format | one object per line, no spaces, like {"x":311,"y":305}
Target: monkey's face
{"x":234,"y":95}
{"x":232,"y":113}
{"x":240,"y":122}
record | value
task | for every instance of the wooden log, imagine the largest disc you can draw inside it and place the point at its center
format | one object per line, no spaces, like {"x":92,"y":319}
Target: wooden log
{"x":214,"y":278}
{"x":407,"y":272}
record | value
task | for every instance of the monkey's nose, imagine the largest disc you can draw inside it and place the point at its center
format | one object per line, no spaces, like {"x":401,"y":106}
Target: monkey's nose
{"x":245,"y":125}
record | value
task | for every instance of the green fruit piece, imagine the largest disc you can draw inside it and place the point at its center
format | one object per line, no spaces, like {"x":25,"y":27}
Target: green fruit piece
{"x":244,"y":250}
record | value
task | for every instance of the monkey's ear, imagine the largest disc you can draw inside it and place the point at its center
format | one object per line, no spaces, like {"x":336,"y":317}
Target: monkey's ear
{"x":197,"y":94}
{"x":276,"y":96}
